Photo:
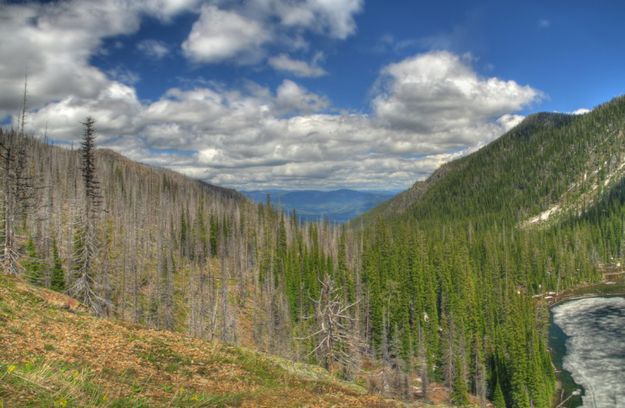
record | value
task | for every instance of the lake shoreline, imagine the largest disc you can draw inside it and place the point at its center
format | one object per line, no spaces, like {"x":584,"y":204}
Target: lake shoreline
{"x":558,"y":339}
{"x":602,"y":288}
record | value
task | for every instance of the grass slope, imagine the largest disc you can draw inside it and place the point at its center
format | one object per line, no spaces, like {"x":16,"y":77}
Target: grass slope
{"x":54,"y":354}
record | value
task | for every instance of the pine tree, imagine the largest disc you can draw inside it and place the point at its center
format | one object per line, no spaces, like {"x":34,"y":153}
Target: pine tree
{"x":33,"y":265}
{"x":57,"y":280}
{"x":459,"y":391}
{"x":498,"y":399}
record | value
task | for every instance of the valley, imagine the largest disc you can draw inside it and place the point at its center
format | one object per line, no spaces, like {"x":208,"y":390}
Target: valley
{"x":441,"y":293}
{"x":338,"y":206}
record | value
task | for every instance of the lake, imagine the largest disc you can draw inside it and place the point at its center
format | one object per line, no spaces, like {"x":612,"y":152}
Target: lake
{"x":587,"y":338}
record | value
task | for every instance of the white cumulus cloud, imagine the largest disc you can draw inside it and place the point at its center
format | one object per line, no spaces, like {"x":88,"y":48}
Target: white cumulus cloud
{"x":256,"y":137}
{"x":332,"y":17}
{"x":291,"y":97}
{"x":439,"y":92}
{"x":240,"y":33}
{"x":219,"y":35}
{"x":53,"y":42}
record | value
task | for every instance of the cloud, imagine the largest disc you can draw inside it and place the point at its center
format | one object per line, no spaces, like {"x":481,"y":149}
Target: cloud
{"x":508,"y":121}
{"x":166,"y":9}
{"x":124,"y":75}
{"x":116,"y":109}
{"x":454,"y":39}
{"x":439,"y":92}
{"x":257,"y":137}
{"x":333,"y":18}
{"x":291,"y":97}
{"x":241,"y":33}
{"x":219,"y":35}
{"x":153,"y":48}
{"x":298,"y":68}
{"x":544,"y":23}
{"x":580,"y":111}
{"x":53,"y":42}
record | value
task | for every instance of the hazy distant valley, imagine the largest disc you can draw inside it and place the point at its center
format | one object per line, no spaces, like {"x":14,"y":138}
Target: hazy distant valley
{"x":312,"y":205}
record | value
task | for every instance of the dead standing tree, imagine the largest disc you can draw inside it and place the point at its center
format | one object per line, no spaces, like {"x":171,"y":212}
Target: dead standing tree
{"x":8,"y":155}
{"x":335,"y":339}
{"x":16,"y":196}
{"x":16,"y":189}
{"x":86,"y":245}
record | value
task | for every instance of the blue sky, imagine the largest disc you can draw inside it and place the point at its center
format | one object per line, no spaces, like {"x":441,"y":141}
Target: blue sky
{"x":305,"y":94}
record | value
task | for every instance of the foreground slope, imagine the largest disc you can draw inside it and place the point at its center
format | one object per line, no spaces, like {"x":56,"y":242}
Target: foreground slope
{"x":174,"y":253}
{"x":52,"y":353}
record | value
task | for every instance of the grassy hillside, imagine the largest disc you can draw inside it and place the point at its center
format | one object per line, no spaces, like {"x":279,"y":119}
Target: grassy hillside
{"x":52,"y":353}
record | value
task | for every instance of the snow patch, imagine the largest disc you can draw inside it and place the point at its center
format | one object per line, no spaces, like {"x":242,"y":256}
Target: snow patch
{"x":572,"y":202}
{"x":544,"y":216}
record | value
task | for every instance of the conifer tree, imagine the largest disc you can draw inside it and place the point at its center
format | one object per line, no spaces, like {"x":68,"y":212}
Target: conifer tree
{"x":86,"y":245}
{"x":57,"y":279}
{"x":498,"y":398}
{"x":459,"y":391}
{"x":33,"y":265}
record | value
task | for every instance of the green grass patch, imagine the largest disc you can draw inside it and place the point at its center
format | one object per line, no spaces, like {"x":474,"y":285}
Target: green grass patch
{"x":261,"y":370}
{"x":163,"y":357}
{"x":190,"y":398}
{"x":36,"y":384}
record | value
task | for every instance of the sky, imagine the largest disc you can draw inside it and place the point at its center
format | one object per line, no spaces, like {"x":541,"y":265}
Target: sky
{"x":303,"y":94}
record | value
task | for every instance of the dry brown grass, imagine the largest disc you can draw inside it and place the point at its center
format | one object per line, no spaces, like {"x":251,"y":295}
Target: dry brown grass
{"x":53,"y":353}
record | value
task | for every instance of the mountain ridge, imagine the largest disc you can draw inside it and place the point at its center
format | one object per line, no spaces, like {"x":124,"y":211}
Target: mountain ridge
{"x":561,"y":134}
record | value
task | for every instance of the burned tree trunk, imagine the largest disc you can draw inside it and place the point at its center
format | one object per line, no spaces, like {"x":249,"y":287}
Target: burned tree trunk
{"x":86,"y":245}
{"x":336,"y":341}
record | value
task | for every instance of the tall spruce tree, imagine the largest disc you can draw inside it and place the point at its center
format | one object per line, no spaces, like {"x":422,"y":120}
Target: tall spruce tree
{"x":33,"y":265}
{"x":57,"y":278}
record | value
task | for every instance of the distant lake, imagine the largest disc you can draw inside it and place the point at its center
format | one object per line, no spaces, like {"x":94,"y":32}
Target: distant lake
{"x":587,"y":338}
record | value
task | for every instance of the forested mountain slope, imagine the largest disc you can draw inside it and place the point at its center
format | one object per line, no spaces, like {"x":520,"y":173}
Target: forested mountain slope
{"x":463,"y":249}
{"x":172,"y":252}
{"x":548,"y":166}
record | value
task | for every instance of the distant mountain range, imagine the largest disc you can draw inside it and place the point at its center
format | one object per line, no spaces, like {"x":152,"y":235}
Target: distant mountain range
{"x":337,"y":206}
